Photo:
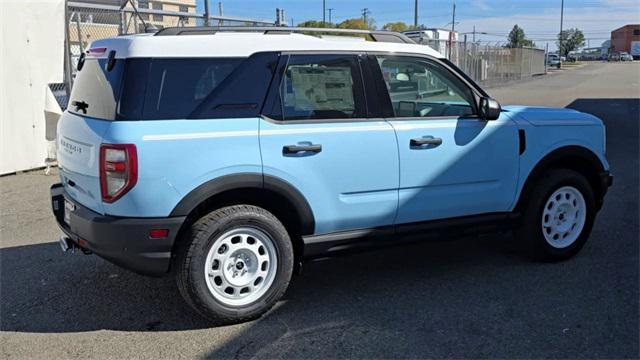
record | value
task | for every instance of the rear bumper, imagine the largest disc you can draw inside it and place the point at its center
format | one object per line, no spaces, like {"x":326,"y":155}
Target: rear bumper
{"x":123,"y":241}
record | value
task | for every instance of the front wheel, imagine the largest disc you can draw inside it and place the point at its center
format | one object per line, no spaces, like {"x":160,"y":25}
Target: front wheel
{"x":235,"y":263}
{"x":558,"y":216}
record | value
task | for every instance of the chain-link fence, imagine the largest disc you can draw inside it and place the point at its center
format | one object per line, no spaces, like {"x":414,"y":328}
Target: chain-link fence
{"x":491,"y":65}
{"x":87,"y":22}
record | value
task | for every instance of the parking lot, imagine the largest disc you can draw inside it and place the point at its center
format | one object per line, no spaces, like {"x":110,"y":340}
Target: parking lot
{"x":466,"y":298}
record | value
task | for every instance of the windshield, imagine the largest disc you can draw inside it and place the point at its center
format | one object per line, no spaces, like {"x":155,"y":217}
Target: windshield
{"x":145,"y":88}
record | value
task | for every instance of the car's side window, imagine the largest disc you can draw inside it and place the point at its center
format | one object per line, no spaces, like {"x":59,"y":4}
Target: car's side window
{"x":420,"y":87}
{"x":322,"y":87}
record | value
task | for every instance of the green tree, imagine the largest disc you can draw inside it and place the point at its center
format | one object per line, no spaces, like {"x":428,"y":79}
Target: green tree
{"x":357,"y":23}
{"x":396,"y":26}
{"x":569,"y":40}
{"x":518,"y":39}
{"x":314,"y":24}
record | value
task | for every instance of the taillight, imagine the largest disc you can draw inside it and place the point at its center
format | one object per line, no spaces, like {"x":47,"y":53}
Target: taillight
{"x":118,"y":170}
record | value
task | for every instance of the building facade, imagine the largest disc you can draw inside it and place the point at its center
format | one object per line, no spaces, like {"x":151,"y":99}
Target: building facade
{"x":626,"y":39}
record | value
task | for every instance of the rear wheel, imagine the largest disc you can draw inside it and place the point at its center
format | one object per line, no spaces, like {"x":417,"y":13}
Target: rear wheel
{"x":558,"y":216}
{"x":236,"y":262}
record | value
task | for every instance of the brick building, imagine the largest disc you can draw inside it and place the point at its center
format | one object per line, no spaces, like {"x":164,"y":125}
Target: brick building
{"x":626,"y":39}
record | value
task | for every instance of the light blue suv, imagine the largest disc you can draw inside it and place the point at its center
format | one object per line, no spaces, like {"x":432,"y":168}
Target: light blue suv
{"x":229,"y":156}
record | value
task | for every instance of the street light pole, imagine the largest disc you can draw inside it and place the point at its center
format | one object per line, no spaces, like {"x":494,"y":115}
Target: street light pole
{"x":415,"y":15}
{"x":324,"y":12}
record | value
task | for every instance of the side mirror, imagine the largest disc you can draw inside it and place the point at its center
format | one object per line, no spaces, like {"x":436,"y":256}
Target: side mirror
{"x":489,"y":108}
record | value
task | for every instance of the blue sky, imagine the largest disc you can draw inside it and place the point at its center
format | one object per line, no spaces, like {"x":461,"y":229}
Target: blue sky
{"x":539,"y":18}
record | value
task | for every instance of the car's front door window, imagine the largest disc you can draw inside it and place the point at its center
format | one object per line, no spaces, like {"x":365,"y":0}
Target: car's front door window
{"x":422,"y":88}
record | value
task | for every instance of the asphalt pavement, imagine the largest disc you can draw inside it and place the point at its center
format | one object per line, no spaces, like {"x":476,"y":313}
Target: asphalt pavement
{"x":466,"y":298}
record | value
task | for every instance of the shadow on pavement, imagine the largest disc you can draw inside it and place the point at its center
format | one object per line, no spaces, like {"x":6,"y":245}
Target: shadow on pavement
{"x":75,"y":293}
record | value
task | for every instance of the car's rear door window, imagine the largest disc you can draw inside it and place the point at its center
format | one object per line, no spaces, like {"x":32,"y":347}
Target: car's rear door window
{"x":322,"y":87}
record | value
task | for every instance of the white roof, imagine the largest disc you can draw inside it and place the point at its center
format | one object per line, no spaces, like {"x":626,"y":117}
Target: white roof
{"x":242,"y":44}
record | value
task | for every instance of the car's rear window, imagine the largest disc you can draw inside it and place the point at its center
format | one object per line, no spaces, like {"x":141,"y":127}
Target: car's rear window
{"x":96,"y":91}
{"x":146,"y":88}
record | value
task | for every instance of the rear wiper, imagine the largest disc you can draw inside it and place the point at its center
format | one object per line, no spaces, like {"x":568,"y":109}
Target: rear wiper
{"x":80,"y":106}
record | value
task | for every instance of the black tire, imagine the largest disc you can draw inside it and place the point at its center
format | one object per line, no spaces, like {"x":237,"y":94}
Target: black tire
{"x":530,"y":236}
{"x":192,"y":254}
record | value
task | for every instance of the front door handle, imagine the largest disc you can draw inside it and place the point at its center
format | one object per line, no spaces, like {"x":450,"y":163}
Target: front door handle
{"x":425,"y":141}
{"x":295,"y":149}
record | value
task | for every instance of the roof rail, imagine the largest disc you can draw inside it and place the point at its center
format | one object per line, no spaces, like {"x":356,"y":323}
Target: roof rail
{"x":379,"y":36}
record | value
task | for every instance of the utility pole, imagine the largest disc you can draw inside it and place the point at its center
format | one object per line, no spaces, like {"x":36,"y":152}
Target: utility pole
{"x":453,"y":29}
{"x":324,"y":12}
{"x":560,"y":36}
{"x":365,"y":14}
{"x":474,"y":34}
{"x":330,"y":11}
{"x":206,"y":13}
{"x":415,"y":15}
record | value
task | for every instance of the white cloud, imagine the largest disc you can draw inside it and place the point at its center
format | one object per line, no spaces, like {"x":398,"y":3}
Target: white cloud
{"x":482,"y":5}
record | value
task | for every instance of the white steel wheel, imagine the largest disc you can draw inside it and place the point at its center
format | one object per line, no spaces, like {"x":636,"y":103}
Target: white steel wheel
{"x":563,"y":217}
{"x":241,"y":266}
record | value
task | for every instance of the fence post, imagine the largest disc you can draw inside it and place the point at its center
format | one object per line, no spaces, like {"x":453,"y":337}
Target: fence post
{"x":546,"y":58}
{"x":79,"y":33}
{"x":67,"y":52}
{"x":206,"y":13}
{"x":121,"y":23}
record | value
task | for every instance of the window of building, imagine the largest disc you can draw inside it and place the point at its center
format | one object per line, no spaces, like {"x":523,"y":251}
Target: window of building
{"x":157,"y":6}
{"x":322,"y":87}
{"x":143,"y":4}
{"x":636,"y":32}
{"x":184,"y":8}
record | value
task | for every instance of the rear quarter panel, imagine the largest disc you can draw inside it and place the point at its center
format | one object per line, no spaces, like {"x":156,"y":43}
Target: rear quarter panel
{"x":176,"y":156}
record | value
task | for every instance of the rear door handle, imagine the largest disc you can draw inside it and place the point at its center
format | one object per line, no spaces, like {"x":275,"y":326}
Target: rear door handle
{"x":295,"y":149}
{"x":425,"y":141}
